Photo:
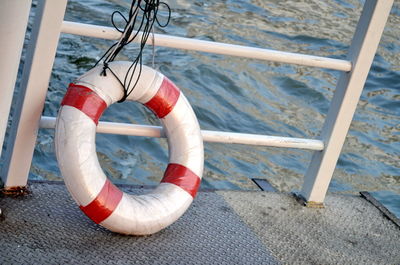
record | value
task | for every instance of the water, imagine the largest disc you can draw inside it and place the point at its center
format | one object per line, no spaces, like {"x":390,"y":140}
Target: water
{"x":246,"y":95}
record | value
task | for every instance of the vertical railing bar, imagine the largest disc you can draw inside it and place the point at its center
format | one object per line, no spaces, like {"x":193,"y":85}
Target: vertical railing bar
{"x":348,"y":91}
{"x":13,"y":13}
{"x":35,"y":79}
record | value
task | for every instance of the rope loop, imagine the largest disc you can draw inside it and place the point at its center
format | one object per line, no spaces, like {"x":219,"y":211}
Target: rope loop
{"x":139,"y":24}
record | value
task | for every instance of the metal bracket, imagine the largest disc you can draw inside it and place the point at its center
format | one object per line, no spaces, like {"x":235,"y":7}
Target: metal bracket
{"x":388,"y":214}
{"x":309,"y":204}
{"x":264,"y":185}
{"x":15,"y":192}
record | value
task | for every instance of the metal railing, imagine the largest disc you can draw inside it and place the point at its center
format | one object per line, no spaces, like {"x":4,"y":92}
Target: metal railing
{"x":48,"y":25}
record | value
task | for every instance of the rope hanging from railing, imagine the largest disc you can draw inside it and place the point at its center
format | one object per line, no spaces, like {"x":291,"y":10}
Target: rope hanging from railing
{"x":142,"y":15}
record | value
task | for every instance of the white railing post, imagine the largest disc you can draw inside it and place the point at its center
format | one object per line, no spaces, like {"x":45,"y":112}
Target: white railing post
{"x":13,"y":22}
{"x":35,"y":79}
{"x":348,"y":90}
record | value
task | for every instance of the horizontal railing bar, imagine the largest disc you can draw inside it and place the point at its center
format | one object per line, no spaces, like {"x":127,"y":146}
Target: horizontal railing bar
{"x":212,"y":47}
{"x":208,"y":136}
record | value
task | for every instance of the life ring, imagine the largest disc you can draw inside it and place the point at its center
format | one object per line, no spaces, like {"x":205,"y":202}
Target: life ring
{"x":99,"y":199}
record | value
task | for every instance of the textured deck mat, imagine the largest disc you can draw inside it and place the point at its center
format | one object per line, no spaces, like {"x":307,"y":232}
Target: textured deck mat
{"x":47,"y":227}
{"x":350,"y":230}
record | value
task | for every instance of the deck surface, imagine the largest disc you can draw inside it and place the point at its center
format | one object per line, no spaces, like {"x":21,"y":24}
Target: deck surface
{"x":222,"y":227}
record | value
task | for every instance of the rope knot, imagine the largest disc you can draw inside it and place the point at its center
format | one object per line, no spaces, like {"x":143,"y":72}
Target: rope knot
{"x":105,"y":67}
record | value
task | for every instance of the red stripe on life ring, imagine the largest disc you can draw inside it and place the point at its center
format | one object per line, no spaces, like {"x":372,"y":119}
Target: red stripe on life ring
{"x":165,"y":99}
{"x":104,"y":204}
{"x":182,"y":177}
{"x":85,"y":100}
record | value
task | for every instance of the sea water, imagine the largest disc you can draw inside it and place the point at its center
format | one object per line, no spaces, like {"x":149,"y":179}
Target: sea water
{"x":246,"y":95}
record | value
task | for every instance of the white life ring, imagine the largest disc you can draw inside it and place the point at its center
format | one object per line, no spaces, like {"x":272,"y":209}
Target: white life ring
{"x":98,"y":198}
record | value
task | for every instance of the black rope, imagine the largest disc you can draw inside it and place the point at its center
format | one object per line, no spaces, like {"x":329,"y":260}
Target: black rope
{"x":142,"y":15}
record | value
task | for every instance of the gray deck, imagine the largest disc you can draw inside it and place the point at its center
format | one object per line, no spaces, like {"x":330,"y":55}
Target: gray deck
{"x":223,"y":227}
